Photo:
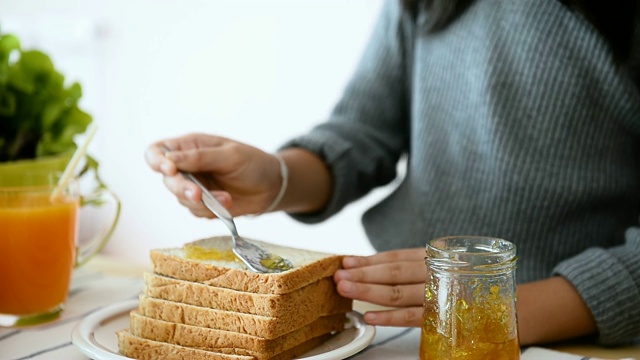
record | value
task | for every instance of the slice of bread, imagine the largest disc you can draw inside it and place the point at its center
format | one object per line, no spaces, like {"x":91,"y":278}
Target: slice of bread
{"x":318,"y":298}
{"x":220,"y":340}
{"x":263,"y":326}
{"x":210,"y":265}
{"x":145,"y":349}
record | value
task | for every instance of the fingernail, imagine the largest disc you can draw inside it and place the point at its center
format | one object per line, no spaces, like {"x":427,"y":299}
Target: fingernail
{"x":347,"y":287}
{"x":343,"y":275}
{"x":371,"y":318}
{"x":165,"y":168}
{"x":220,"y":198}
{"x":350,"y":262}
{"x":189,"y":194}
{"x":172,"y":156}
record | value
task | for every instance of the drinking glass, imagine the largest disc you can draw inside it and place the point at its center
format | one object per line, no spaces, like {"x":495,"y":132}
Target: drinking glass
{"x":39,"y":242}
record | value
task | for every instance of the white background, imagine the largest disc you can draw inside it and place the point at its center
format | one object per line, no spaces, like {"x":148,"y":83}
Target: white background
{"x":259,"y":71}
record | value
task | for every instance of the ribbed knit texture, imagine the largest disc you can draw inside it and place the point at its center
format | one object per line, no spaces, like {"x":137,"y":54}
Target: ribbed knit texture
{"x":516,"y":124}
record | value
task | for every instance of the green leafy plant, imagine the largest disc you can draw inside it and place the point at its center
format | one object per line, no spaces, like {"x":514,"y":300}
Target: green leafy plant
{"x":39,"y":114}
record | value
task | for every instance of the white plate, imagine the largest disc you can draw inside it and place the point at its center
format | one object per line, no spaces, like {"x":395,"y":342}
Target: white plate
{"x":95,"y":335}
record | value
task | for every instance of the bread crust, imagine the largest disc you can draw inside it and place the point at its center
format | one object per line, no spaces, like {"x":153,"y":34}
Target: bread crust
{"x":308,"y":267}
{"x":264,"y":326}
{"x":222,"y":341}
{"x":145,"y":349}
{"x":317,"y":298}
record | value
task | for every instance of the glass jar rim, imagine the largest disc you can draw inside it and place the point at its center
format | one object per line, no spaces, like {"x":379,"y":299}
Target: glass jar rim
{"x":471,"y":254}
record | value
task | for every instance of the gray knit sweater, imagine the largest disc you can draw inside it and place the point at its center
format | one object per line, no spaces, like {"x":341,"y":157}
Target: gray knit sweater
{"x":516,"y":124}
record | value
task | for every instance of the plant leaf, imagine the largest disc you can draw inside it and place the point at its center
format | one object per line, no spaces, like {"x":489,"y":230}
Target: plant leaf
{"x":39,"y":116}
{"x":7,"y":103}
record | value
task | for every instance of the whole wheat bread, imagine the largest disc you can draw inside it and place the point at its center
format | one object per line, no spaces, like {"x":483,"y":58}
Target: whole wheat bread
{"x":251,"y":324}
{"x":145,"y":349}
{"x":308,"y":267}
{"x":218,"y":340}
{"x":202,"y":303}
{"x":318,"y":298}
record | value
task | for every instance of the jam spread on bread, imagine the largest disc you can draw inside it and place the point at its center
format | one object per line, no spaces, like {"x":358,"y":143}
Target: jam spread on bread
{"x":275,"y":263}
{"x":196,"y":252}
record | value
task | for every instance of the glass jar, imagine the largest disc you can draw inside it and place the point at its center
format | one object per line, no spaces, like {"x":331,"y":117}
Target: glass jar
{"x":470,"y":300}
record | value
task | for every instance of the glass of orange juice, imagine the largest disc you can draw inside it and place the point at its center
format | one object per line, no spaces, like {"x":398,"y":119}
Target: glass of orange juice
{"x":39,"y":243}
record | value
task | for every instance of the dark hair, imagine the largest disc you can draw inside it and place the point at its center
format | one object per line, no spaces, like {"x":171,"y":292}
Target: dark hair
{"x":616,"y":20}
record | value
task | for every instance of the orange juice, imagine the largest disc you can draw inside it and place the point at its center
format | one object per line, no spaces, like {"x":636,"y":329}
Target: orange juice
{"x":38,"y":247}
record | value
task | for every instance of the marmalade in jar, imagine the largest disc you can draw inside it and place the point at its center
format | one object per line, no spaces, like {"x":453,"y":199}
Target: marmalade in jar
{"x":480,"y":330}
{"x":470,"y":304}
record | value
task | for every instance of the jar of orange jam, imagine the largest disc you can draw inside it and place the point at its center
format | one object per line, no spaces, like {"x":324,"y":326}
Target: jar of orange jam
{"x":470,"y":302}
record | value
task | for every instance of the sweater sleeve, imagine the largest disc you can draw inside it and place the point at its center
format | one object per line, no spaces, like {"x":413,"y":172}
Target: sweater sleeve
{"x":609,"y":279}
{"x":367,"y":131}
{"x":609,"y":282}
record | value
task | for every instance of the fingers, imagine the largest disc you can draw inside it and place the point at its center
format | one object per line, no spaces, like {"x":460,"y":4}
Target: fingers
{"x":390,"y":267}
{"x":210,"y":154}
{"x":185,"y":153}
{"x":415,"y":254}
{"x":386,"y":295}
{"x":190,"y":196}
{"x":194,"y":160}
{"x":157,"y":161}
{"x":248,"y":174}
{"x":393,"y":278}
{"x":411,"y":316}
{"x":187,"y":194}
{"x":191,"y":141}
{"x":401,"y":272}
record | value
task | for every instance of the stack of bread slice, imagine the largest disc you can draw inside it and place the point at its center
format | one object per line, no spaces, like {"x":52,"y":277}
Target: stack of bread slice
{"x":200,"y":302}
